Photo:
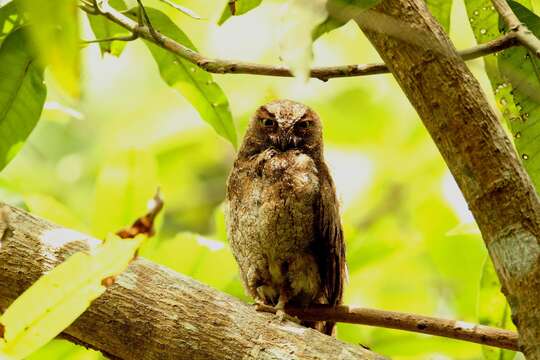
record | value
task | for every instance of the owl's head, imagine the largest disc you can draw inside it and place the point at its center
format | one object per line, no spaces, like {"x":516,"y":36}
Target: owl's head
{"x":283,"y":125}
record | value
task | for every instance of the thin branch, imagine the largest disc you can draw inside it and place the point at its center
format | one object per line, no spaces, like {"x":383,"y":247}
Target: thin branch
{"x":114,"y":38}
{"x":452,"y":329}
{"x":499,"y":44}
{"x":219,"y":66}
{"x":523,"y":34}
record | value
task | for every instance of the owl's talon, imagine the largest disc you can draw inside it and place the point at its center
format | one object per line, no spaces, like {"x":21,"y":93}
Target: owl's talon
{"x":279,"y":313}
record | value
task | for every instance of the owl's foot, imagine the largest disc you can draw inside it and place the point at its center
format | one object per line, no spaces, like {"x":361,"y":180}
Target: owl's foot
{"x":279,"y":313}
{"x":262,"y":307}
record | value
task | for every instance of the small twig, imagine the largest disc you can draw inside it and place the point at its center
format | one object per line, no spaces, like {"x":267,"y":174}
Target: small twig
{"x":523,"y":34}
{"x":88,"y":9}
{"x":496,"y":45}
{"x":452,"y":329}
{"x":219,"y":66}
{"x":114,"y":38}
{"x":151,"y":29}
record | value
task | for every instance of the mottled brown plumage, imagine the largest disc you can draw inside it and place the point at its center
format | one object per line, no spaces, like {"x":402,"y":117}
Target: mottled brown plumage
{"x":282,"y":214}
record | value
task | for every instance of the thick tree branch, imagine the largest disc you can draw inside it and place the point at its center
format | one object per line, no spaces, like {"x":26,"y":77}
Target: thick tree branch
{"x":473,"y":143}
{"x":151,"y":312}
{"x":523,"y":34}
{"x":30,"y":246}
{"x":219,"y":66}
{"x":452,"y":329}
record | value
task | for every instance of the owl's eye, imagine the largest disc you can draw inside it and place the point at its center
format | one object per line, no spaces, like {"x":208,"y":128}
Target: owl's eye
{"x":268,"y":122}
{"x":304,"y":124}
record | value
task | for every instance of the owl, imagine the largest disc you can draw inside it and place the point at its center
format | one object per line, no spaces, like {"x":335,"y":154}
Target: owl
{"x":282,"y":214}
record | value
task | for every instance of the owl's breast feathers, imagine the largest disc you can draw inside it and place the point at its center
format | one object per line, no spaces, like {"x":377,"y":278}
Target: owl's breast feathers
{"x":275,"y":209}
{"x":274,"y":195}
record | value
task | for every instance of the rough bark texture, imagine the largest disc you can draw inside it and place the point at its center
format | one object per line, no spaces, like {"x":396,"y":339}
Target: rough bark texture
{"x":152,"y":312}
{"x":468,"y":134}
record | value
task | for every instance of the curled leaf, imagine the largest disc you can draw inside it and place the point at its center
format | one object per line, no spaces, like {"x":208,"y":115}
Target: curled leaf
{"x":145,"y":224}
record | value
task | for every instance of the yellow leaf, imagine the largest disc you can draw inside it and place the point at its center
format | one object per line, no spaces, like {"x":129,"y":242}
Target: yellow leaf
{"x":58,"y":298}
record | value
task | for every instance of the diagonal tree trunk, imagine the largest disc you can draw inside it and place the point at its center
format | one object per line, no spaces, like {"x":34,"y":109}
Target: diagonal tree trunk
{"x":473,"y":143}
{"x":152,"y":312}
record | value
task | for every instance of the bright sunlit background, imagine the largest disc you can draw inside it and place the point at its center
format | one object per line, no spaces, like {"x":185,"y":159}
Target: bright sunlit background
{"x":412,"y":244}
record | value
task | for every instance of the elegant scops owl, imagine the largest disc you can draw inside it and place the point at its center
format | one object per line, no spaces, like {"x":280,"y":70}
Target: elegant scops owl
{"x":283,"y":219}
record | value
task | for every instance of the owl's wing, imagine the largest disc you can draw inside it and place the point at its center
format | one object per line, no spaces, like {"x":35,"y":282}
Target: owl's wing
{"x":330,"y":247}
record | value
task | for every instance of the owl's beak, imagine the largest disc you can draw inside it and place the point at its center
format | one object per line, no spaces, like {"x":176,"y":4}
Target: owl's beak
{"x":284,"y":143}
{"x":287,"y":140}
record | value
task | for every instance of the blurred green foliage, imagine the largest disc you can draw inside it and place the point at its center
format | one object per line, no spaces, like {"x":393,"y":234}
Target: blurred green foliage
{"x":92,"y":163}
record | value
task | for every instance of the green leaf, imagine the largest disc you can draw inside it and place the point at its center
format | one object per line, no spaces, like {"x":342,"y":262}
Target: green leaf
{"x":22,"y":94}
{"x":514,"y":76}
{"x":329,"y":24}
{"x":103,"y":28}
{"x":339,"y":13}
{"x":11,"y":195}
{"x":11,"y":19}
{"x":58,"y":298}
{"x":521,"y":69}
{"x":484,"y":23}
{"x":237,"y":7}
{"x":48,"y":207}
{"x":442,"y":10}
{"x":195,"y":255}
{"x":124,"y":185}
{"x":195,"y":84}
{"x":55,"y":31}
{"x":493,"y":310}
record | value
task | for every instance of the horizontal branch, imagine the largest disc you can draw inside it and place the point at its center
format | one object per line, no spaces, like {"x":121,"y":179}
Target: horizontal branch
{"x":151,"y":312}
{"x":219,"y":66}
{"x":523,"y":34}
{"x":452,"y":329}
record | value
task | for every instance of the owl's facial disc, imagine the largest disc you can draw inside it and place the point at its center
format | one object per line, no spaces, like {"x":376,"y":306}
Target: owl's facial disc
{"x":285,"y":127}
{"x":284,"y":134}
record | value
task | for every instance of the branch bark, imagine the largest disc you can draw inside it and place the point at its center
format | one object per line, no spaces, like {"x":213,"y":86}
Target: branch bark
{"x":223,"y":66}
{"x":473,"y":143}
{"x":152,"y":312}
